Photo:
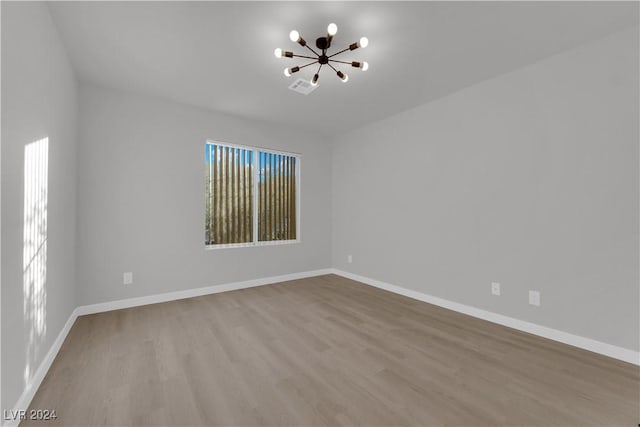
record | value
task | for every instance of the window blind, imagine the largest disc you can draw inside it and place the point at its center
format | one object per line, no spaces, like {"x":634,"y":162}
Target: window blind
{"x":276,"y":197}
{"x":229,"y":194}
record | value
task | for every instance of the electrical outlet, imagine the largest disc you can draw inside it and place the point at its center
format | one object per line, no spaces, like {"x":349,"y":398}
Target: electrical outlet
{"x":127,"y":278}
{"x":534,"y":298}
{"x":495,"y":288}
{"x":349,"y":259}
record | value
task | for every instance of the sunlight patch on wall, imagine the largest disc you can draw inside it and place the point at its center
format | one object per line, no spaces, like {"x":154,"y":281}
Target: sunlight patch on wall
{"x":36,"y":189}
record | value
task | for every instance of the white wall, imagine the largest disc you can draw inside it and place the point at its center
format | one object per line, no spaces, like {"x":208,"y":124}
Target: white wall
{"x":529,"y":179}
{"x":141,"y":198}
{"x":39,"y":100}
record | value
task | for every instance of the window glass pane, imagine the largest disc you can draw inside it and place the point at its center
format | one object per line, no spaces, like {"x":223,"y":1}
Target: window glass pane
{"x":228,"y":195}
{"x":276,"y":197}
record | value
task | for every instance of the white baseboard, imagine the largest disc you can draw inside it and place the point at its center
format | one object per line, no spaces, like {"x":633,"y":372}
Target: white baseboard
{"x":190,"y":293}
{"x":27,"y":395}
{"x":610,"y":350}
{"x":30,"y":390}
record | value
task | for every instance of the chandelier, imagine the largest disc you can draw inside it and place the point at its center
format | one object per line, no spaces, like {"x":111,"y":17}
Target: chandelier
{"x":323,"y":44}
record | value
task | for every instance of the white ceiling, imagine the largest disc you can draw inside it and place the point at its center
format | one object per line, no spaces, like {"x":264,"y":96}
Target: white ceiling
{"x":219,"y":55}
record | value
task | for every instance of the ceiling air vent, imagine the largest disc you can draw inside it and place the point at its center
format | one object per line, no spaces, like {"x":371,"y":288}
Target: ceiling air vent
{"x":302,"y":86}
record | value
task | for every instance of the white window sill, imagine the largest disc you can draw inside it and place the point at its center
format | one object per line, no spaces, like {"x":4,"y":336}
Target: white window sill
{"x":250,"y":244}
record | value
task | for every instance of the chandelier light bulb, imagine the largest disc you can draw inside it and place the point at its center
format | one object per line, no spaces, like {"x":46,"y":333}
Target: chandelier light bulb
{"x":278,"y":53}
{"x":294,"y":36}
{"x":314,"y":80}
{"x":364,"y":66}
{"x":289,"y":71}
{"x":332,"y":29}
{"x":364,"y":42}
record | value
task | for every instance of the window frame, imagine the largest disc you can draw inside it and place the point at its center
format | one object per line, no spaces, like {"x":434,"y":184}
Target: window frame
{"x":254,"y":204}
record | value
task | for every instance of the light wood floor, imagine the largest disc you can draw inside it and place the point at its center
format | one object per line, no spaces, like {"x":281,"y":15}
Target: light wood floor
{"x":325,"y":351}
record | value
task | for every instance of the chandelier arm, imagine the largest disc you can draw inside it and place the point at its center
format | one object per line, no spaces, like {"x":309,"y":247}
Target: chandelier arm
{"x":314,"y":52}
{"x":332,"y":67}
{"x":319,"y":68}
{"x":305,"y":56}
{"x":306,"y":65}
{"x":342,"y":62}
{"x":338,"y":53}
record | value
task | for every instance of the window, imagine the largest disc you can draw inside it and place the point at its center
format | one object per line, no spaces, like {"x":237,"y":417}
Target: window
{"x":251,"y":196}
